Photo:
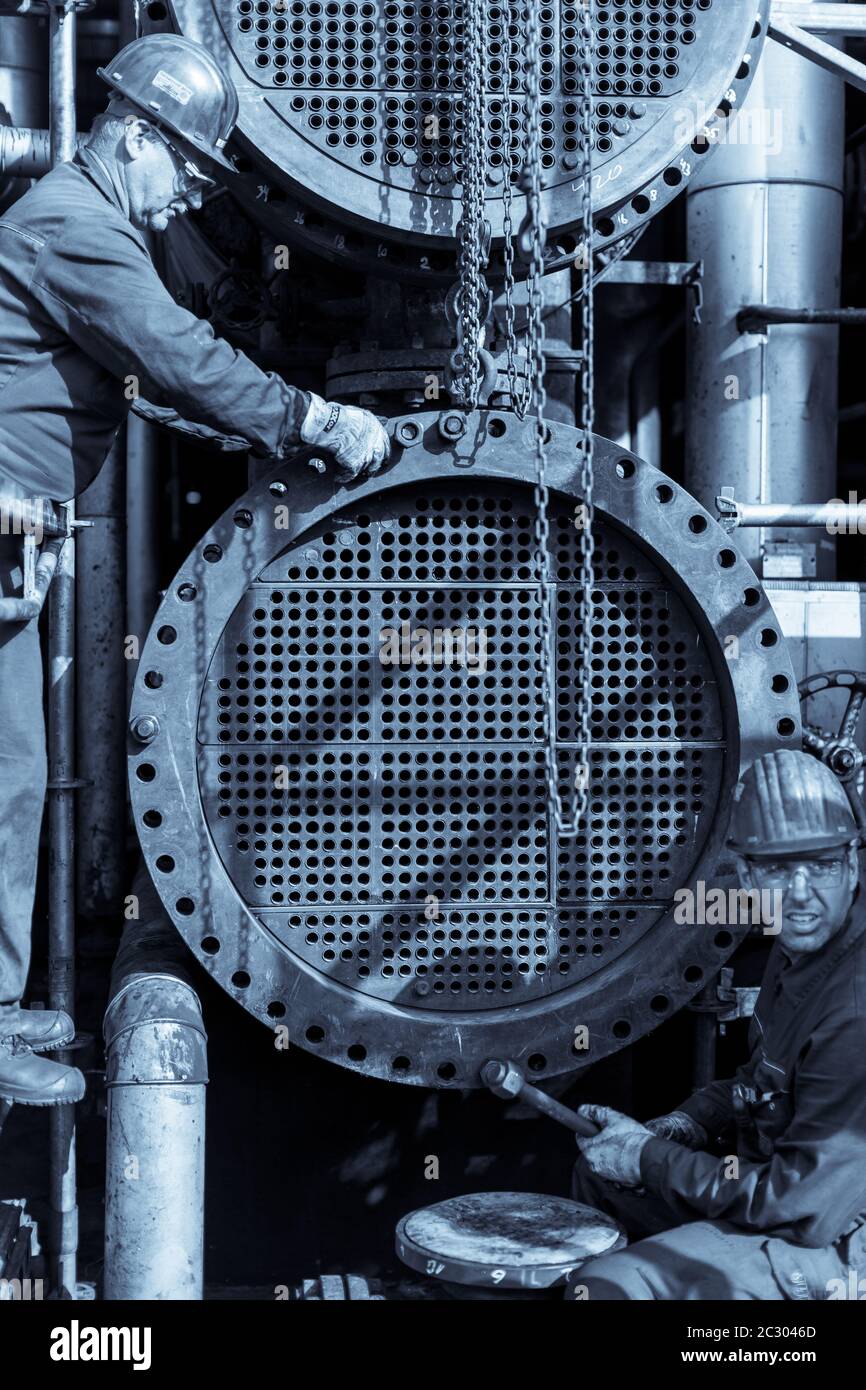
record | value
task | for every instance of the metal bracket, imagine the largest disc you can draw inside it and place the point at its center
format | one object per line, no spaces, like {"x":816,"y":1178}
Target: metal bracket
{"x":686,"y":274}
{"x":789,"y":34}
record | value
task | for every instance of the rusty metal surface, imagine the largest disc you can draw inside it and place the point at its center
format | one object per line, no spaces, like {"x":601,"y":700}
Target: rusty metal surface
{"x":505,"y":1239}
{"x":337,"y":101}
{"x":363,"y":852}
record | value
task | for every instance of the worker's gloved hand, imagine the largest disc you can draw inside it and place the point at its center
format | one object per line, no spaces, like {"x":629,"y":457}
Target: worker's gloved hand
{"x":356,"y":438}
{"x":681,"y":1128}
{"x":615,"y":1152}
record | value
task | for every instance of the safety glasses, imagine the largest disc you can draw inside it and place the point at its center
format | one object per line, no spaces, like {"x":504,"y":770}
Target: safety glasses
{"x":188,"y":177}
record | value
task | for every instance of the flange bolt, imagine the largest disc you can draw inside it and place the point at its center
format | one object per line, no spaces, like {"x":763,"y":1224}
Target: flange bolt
{"x":144,"y":728}
{"x":451,"y":426}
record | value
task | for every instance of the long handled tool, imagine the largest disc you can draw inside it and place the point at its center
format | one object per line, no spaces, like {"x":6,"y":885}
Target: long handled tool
{"x":506,"y":1080}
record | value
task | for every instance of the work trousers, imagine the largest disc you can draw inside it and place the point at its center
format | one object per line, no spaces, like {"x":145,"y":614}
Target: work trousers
{"x":22,"y":784}
{"x":676,"y":1256}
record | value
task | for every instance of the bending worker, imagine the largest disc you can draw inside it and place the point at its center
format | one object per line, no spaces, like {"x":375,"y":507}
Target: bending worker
{"x":88,"y":331}
{"x":755,"y":1188}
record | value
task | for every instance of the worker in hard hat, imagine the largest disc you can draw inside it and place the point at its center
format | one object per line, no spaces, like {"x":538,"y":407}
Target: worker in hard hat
{"x":88,"y":331}
{"x":755,"y":1187}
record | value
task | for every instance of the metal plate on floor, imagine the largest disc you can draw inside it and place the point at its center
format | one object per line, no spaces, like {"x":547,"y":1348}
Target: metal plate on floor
{"x":505,"y":1240}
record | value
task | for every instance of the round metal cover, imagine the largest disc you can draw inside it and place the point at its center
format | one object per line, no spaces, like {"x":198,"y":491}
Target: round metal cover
{"x":354,"y":106}
{"x":505,"y":1240}
{"x":360,"y":848}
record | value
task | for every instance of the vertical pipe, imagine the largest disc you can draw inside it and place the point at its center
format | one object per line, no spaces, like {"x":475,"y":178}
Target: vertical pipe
{"x":62,"y":82}
{"x":141,"y":532}
{"x":61,"y":745}
{"x":705,"y":1035}
{"x":101,"y":694}
{"x":61,"y":900}
{"x":765,"y":217}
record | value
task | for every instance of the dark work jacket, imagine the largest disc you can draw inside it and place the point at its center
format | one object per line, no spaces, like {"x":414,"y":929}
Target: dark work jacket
{"x":801,"y":1102}
{"x":86,"y":326}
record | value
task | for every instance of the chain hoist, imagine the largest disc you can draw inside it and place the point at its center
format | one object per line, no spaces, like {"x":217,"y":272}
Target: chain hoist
{"x":566,"y":826}
{"x":519,"y":385}
{"x":473,"y":295}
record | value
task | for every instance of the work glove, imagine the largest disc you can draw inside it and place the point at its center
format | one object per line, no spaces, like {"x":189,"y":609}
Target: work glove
{"x":355,"y":437}
{"x":614,"y":1153}
{"x":681,"y":1128}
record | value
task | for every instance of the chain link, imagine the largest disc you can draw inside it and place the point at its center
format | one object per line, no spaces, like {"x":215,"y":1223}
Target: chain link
{"x":520,"y":387}
{"x":584,"y":513}
{"x":472,"y":306}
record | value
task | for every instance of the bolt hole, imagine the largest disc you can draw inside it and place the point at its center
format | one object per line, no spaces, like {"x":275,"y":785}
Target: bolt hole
{"x":664,"y":493}
{"x":723,"y":940}
{"x":780,"y":685}
{"x":187,"y":592}
{"x":153,"y":679}
{"x":212,"y":553}
{"x":727,"y":559}
{"x":537,"y":1062}
{"x":243,"y":519}
{"x":277,"y":488}
{"x":496,"y":427}
{"x":315,"y":1034}
{"x":401,"y":1064}
{"x":276,"y":1009}
{"x":751,"y":598}
{"x":786,"y":727}
{"x":166,"y":635}
{"x":769,"y":637}
{"x":660,"y":1004}
{"x":624,"y":468}
{"x":356,"y":1053}
{"x":446,"y":1071}
{"x":156,"y":11}
{"x":240,"y":979}
{"x":185,"y":906}
{"x":145,"y":772}
{"x":693,"y":974}
{"x":152,"y":819}
{"x":165,"y":864}
{"x":697,"y":525}
{"x":210,"y":945}
{"x":622,"y":1028}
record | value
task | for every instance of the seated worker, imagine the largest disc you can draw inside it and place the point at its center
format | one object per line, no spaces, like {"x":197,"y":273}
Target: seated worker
{"x":786,"y":1218}
{"x":88,"y":331}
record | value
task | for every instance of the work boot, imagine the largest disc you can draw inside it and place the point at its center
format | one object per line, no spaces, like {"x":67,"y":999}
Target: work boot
{"x":26,"y":1079}
{"x":43,"y":1030}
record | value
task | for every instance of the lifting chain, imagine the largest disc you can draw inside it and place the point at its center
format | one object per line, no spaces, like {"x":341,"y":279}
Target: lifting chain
{"x":520,"y":387}
{"x":474,"y":231}
{"x":532,"y":182}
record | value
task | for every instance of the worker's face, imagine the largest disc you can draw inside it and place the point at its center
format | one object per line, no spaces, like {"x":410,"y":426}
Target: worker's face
{"x":817,"y":890}
{"x":156,"y":183}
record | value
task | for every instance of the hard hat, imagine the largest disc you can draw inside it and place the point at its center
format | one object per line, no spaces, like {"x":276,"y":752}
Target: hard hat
{"x":789,"y":802}
{"x":180,"y":86}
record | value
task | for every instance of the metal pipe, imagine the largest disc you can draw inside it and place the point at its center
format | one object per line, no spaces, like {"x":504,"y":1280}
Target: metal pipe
{"x":756,"y":318}
{"x":61,"y":747}
{"x":833,"y":60}
{"x":765,"y":217}
{"x":840,"y":19}
{"x":61,"y":902}
{"x":61,"y":82}
{"x":156,"y":1073}
{"x":142,"y":548}
{"x":26,"y":154}
{"x":845,"y":518}
{"x":101,"y":694}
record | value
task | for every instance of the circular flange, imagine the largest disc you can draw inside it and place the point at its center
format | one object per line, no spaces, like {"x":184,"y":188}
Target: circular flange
{"x":332,"y":153}
{"x":411,"y":927}
{"x":505,"y":1240}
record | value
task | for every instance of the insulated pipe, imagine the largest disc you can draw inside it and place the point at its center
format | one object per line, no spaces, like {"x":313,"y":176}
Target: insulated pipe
{"x":765,"y":217}
{"x":26,"y":154}
{"x":61,"y":81}
{"x":156,"y":1072}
